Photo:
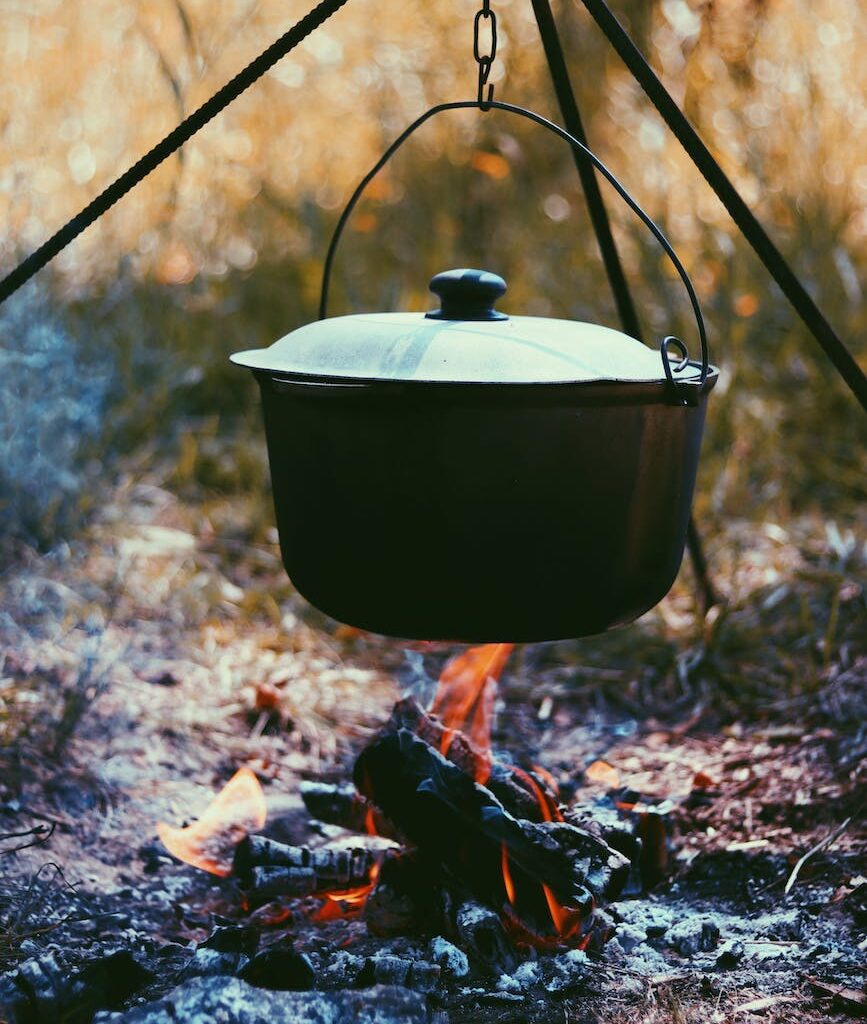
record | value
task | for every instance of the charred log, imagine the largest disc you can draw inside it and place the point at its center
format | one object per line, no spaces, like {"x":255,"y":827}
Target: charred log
{"x":524,"y":794}
{"x":463,"y":826}
{"x":266,"y":868}
{"x":340,"y":804}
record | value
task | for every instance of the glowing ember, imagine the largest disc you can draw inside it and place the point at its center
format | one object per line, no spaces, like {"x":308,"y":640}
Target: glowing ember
{"x":209,"y":843}
{"x":464,"y":700}
{"x":346,"y":902}
{"x":604,"y":773}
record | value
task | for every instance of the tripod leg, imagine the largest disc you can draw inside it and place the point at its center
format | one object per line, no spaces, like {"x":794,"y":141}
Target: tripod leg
{"x":607,"y":246}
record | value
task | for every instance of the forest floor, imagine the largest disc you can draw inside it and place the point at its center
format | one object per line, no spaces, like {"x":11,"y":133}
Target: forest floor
{"x":143,"y":664}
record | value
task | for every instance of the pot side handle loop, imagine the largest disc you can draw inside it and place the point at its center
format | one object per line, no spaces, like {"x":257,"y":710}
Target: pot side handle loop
{"x":686,"y":389}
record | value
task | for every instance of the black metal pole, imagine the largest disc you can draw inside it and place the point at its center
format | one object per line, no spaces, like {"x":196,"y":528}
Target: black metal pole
{"x":586,"y":172}
{"x":607,"y":246}
{"x":747,"y":223}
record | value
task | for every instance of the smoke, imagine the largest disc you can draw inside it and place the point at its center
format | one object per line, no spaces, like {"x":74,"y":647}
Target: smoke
{"x":53,"y":394}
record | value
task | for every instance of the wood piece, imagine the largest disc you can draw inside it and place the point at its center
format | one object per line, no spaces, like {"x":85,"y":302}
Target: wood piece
{"x":266,"y":868}
{"x":517,"y":790}
{"x":341,"y":804}
{"x":462,"y":825}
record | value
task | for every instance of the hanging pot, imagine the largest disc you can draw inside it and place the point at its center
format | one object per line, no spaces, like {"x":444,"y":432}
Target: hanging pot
{"x":464,"y":474}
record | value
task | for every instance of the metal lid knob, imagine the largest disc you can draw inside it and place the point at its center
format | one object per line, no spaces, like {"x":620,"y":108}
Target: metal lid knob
{"x":467,"y":295}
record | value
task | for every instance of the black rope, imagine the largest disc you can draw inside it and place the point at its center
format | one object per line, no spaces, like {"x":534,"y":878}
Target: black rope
{"x":749,"y":226}
{"x":607,"y":246}
{"x":170,"y":144}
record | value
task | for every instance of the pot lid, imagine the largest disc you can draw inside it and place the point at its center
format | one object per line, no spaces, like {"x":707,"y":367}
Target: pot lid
{"x":466,"y":340}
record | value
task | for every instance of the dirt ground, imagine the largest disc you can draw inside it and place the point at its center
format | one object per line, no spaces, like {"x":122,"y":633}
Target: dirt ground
{"x":144,"y":664}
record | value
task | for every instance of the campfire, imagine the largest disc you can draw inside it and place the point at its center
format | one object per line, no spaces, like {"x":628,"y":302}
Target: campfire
{"x":439,"y":837}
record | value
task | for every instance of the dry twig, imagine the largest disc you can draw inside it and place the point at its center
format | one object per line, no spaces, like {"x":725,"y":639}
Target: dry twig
{"x":824,"y":844}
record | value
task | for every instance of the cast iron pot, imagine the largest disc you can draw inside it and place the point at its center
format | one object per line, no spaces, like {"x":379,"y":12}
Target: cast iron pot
{"x":464,"y":475}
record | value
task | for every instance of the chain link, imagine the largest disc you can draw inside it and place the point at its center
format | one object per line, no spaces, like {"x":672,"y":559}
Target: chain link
{"x":485,"y":60}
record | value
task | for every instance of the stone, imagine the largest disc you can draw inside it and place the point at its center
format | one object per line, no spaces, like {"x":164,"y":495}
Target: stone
{"x":453,"y":961}
{"x":693,"y":935}
{"x":232,"y":1001}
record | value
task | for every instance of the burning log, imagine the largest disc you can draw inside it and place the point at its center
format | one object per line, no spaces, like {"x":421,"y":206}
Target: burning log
{"x":266,"y":868}
{"x":341,"y":804}
{"x":542,"y":871}
{"x":525,"y":795}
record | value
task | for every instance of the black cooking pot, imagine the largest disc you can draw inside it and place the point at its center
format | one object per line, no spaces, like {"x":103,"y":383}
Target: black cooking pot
{"x":467,"y":475}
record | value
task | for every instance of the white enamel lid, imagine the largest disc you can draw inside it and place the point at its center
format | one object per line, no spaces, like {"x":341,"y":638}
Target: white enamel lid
{"x":466,"y":341}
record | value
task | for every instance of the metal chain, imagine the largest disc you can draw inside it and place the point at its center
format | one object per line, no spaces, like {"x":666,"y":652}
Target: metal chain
{"x":485,"y":60}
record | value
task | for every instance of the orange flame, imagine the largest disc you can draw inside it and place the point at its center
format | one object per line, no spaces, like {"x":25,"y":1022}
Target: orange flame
{"x":566,"y":921}
{"x":209,"y":843}
{"x":370,"y":822}
{"x":346,"y":902}
{"x":549,"y":779}
{"x":507,"y":878}
{"x":549,"y":810}
{"x":465,"y":699}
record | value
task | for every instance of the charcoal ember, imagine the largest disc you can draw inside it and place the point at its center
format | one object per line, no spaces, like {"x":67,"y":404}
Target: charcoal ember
{"x":480,"y":932}
{"x":41,"y":991}
{"x":452,"y":961}
{"x":206,"y":1000}
{"x":629,"y":936}
{"x":424,"y":976}
{"x":516,"y":789}
{"x":730,"y":954}
{"x":406,"y":898}
{"x":693,"y":935}
{"x":564,"y":973}
{"x":233,"y":938}
{"x":557,"y":975}
{"x":341,"y":969}
{"x":640,"y":835}
{"x":390,"y":969}
{"x":227,"y":950}
{"x":390,"y":910}
{"x":386,"y":969}
{"x":282,"y":970}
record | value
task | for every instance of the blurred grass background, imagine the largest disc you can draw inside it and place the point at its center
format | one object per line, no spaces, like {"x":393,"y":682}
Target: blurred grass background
{"x":117,"y":357}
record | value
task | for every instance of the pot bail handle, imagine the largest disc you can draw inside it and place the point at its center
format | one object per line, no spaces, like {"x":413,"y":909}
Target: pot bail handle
{"x":686,"y":389}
